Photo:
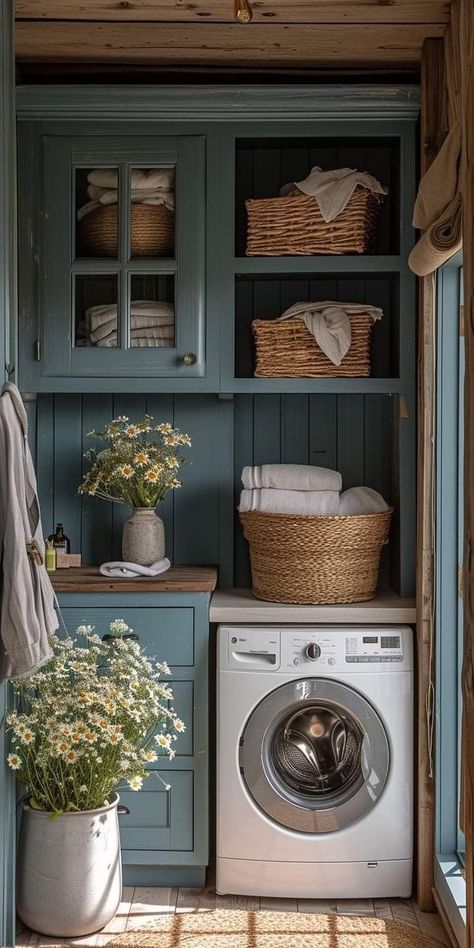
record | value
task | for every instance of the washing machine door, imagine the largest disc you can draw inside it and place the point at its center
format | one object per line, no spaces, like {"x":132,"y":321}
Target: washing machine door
{"x":314,"y":755}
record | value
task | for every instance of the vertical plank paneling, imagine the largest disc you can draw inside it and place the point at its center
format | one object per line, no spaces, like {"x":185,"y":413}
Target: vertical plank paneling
{"x":266,"y":431}
{"x":45,"y":458}
{"x":243,"y":455}
{"x":133,"y":406}
{"x":97,"y":515}
{"x":67,"y":463}
{"x":350,"y":439}
{"x":196,"y":521}
{"x":323,"y":430}
{"x":161,"y":407}
{"x":294,"y":429}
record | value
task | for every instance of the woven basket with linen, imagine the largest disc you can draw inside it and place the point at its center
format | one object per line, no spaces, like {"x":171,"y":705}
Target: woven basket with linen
{"x":151,"y":229}
{"x":315,"y":560}
{"x":287,"y":348}
{"x":295,"y":225}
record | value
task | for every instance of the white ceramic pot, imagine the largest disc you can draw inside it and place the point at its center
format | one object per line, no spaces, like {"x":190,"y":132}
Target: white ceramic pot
{"x":143,"y":538}
{"x":69,"y":870}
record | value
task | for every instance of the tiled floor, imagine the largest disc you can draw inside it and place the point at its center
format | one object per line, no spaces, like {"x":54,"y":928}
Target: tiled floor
{"x":140,"y":906}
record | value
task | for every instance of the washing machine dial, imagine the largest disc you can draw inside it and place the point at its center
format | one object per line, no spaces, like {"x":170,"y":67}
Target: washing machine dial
{"x":312,"y":651}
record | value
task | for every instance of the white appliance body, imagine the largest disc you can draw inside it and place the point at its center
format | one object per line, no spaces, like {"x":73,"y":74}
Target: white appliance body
{"x":300,"y":707}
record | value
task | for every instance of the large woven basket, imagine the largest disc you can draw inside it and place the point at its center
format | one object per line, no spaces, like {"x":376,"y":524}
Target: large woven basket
{"x":287,"y":348}
{"x":151,"y":227}
{"x":315,"y":560}
{"x":295,"y":225}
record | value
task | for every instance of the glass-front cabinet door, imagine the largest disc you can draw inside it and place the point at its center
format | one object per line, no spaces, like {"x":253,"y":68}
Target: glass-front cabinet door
{"x":122,"y":258}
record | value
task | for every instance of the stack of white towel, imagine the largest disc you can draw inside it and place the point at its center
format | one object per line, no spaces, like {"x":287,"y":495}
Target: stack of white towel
{"x":151,"y":324}
{"x":154,"y":186}
{"x":303,"y":489}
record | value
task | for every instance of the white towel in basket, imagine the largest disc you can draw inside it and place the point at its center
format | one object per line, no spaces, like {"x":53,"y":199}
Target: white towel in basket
{"x":309,"y":502}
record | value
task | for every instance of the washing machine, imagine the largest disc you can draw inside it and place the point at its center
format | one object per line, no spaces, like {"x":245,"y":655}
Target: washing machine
{"x":315,"y":761}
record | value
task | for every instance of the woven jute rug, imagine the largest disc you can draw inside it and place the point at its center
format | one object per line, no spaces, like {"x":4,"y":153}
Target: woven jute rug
{"x":224,"y":928}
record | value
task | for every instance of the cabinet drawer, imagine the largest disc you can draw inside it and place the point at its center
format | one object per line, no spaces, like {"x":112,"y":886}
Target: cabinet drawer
{"x":166,"y":634}
{"x":159,"y":819}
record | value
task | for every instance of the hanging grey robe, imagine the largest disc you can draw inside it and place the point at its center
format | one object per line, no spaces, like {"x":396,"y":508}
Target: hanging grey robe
{"x":27,"y":616}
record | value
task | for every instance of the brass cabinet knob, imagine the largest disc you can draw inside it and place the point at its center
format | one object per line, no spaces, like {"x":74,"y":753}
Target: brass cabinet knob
{"x":190,"y":358}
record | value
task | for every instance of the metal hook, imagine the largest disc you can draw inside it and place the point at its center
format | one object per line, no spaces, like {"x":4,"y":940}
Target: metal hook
{"x":243,"y":11}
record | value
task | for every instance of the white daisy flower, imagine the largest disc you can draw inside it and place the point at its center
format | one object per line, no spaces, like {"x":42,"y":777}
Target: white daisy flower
{"x":14,"y":761}
{"x":136,"y":783}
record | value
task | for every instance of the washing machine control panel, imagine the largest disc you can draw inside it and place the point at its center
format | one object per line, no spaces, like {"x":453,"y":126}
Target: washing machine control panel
{"x":314,"y":649}
{"x":374,"y":647}
{"x":309,"y":647}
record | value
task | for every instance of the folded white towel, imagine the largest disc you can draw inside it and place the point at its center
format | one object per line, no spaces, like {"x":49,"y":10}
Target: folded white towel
{"x":118,"y":569}
{"x":361,"y":500}
{"x":140,"y":339}
{"x":155,"y":186}
{"x":137,"y":325}
{"x":334,"y":189}
{"x":158,"y":178}
{"x":309,"y":502}
{"x":329,"y":323}
{"x":291,"y":477}
{"x":99,"y":315}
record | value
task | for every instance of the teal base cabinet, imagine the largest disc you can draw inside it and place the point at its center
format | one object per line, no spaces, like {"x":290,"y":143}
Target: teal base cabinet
{"x":165,"y":836}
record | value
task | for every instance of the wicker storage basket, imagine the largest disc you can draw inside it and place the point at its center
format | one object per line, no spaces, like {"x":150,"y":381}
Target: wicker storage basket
{"x":315,"y":560}
{"x":151,"y":226}
{"x":287,"y":348}
{"x":295,"y":225}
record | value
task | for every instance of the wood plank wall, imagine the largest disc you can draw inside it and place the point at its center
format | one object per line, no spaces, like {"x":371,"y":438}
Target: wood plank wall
{"x":350,"y":433}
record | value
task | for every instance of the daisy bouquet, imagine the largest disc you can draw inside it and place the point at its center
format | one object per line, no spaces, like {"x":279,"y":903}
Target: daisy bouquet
{"x":95,"y":715}
{"x":139,"y":464}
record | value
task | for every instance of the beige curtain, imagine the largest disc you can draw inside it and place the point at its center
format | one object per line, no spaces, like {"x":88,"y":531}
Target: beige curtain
{"x":462,"y":38}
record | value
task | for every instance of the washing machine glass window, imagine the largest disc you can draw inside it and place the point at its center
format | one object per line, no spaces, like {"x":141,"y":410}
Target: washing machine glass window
{"x":314,"y":755}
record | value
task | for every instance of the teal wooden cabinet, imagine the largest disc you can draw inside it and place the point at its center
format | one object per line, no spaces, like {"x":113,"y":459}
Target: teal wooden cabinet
{"x":120,"y":286}
{"x":165,"y":834}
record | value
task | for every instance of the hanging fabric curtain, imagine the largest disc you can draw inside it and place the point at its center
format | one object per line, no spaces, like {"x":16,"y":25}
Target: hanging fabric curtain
{"x":462,"y":13}
{"x":438,"y":206}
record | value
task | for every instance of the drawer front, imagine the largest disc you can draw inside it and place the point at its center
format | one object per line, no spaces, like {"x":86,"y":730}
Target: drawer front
{"x":159,"y":819}
{"x":166,"y":634}
{"x":183,"y":701}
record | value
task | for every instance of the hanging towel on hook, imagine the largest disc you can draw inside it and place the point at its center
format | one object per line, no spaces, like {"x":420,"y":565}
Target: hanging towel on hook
{"x":27,"y":616}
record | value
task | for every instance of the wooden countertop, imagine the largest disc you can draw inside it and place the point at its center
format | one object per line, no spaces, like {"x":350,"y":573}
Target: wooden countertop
{"x":176,"y":579}
{"x":240,"y":605}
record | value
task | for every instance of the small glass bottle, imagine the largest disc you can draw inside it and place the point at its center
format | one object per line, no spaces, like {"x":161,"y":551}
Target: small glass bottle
{"x":50,"y":557}
{"x":59,"y":540}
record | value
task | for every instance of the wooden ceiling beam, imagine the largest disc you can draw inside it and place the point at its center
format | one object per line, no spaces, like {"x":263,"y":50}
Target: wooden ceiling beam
{"x":222,"y":11}
{"x":215,"y":44}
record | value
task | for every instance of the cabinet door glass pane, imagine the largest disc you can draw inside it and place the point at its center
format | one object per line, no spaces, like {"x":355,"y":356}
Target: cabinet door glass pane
{"x":96,"y":198}
{"x":96,"y":310}
{"x":152,"y":207}
{"x":152,"y":316}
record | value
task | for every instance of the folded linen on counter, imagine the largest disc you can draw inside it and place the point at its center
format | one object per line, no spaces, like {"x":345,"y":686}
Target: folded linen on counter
{"x":334,"y":189}
{"x":329,"y":323}
{"x":119,"y":569}
{"x":301,"y":477}
{"x":361,"y":500}
{"x":309,"y":502}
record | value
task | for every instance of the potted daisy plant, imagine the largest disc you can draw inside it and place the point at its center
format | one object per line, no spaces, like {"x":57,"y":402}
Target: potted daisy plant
{"x":138,"y":465}
{"x":95,"y":717}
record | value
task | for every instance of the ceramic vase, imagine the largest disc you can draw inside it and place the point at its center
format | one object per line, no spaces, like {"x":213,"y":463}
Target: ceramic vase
{"x":69,"y":872}
{"x":143,"y":539}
